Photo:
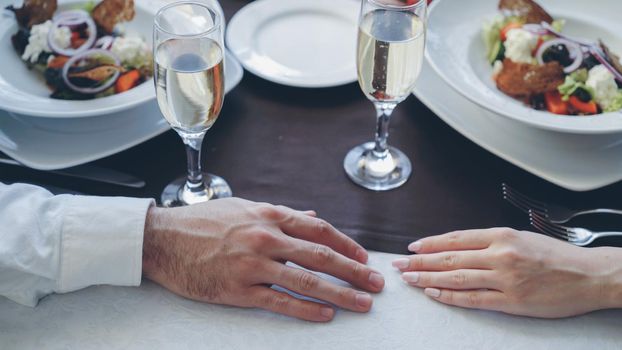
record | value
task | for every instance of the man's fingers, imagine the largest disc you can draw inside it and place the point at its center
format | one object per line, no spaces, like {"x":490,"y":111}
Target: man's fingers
{"x":458,"y":240}
{"x":283,"y":303}
{"x":318,"y":257}
{"x":445,"y":261}
{"x":475,"y":299}
{"x":310,"y":285}
{"x":456,"y":280}
{"x":316,"y":230}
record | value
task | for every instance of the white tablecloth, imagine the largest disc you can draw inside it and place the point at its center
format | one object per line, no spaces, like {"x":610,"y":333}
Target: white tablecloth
{"x":149,"y":317}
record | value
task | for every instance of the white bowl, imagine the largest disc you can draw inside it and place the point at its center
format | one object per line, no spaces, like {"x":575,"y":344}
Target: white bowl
{"x":24,"y":92}
{"x":456,"y":51}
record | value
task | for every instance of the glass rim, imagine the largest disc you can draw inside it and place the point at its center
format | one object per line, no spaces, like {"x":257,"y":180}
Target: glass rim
{"x":398,"y":7}
{"x":216,"y":26}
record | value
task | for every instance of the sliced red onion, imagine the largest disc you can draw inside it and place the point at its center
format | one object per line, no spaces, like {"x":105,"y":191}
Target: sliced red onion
{"x":549,"y":28}
{"x":83,"y":55}
{"x":573,"y":48}
{"x":595,"y":51}
{"x":535,"y":29}
{"x":585,"y":46}
{"x":105,"y":42}
{"x":92,"y":31}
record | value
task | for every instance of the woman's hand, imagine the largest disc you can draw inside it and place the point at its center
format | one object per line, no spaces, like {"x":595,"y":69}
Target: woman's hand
{"x":230,"y":251}
{"x":520,"y":273}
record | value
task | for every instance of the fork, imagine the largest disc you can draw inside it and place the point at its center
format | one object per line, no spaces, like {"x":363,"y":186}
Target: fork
{"x":575,"y":235}
{"x":554,"y":213}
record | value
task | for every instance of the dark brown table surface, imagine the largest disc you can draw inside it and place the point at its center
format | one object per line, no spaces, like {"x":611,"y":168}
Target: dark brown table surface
{"x":286,"y":145}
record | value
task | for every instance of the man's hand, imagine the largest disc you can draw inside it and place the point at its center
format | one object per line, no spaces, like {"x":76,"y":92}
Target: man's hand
{"x":230,"y":251}
{"x":520,"y":273}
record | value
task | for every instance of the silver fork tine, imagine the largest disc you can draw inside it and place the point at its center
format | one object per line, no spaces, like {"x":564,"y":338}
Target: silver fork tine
{"x":544,"y":223}
{"x":534,"y":201}
{"x":564,"y":229}
{"x":521,"y":203}
{"x":531,"y":201}
{"x":546,"y":231}
{"x":553,"y":226}
{"x":525,"y":209}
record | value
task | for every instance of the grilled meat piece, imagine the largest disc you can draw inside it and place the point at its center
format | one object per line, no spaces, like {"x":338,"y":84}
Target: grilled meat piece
{"x":34,"y":12}
{"x":523,"y":80}
{"x":527,"y":9}
{"x":611,"y":57}
{"x":108,"y":13}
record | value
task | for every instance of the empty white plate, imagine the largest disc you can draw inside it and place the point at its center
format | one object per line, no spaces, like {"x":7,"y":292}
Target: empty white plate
{"x":302,"y":43}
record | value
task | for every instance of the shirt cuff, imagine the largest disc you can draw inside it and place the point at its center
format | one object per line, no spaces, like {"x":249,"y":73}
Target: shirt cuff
{"x":102,"y":241}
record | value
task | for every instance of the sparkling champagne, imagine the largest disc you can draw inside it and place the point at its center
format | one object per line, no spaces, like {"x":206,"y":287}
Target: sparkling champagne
{"x":390,"y":54}
{"x":190,"y":82}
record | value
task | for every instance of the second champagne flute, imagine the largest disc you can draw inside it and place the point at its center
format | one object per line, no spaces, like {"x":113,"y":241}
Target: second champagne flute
{"x":189,"y":81}
{"x":391,"y":43}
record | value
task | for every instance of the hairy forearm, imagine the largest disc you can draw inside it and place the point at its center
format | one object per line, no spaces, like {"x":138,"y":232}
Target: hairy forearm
{"x":155,"y":226}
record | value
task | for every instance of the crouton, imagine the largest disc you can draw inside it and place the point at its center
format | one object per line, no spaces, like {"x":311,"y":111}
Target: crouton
{"x":523,"y":80}
{"x":527,"y":9}
{"x":108,"y":13}
{"x":34,"y":12}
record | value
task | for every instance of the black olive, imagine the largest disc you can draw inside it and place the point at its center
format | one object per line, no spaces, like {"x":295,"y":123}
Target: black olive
{"x":559,"y":53}
{"x":590,"y":62}
{"x":582,"y":95}
{"x":538,"y":102}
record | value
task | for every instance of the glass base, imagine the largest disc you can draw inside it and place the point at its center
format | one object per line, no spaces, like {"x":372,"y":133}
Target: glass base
{"x":177,"y":194}
{"x":377,"y":174}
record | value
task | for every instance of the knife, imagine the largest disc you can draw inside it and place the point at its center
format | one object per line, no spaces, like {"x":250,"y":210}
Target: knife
{"x":91,"y":172}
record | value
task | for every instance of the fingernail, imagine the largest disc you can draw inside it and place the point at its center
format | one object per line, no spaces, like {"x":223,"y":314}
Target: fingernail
{"x":410,"y":277}
{"x":376,"y":280}
{"x":363,"y":300}
{"x":327,"y":312}
{"x":415,"y":246}
{"x":401,"y":263}
{"x":361,"y":255}
{"x":432,"y":292}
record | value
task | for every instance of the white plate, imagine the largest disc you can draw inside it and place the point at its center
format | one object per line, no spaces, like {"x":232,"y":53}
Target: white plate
{"x":46,"y":144}
{"x":456,"y":52}
{"x":302,"y":43}
{"x":572,"y":161}
{"x":24,"y":92}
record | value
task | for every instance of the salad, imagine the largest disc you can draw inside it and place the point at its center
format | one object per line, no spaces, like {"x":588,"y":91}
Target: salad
{"x":534,"y":62}
{"x":82,"y":53}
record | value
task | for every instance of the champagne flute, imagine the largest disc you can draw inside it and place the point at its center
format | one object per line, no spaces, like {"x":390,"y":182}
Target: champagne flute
{"x":391,"y":43}
{"x":189,"y":82}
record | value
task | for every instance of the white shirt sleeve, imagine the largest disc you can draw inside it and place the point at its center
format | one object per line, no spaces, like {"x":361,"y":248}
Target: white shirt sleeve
{"x":63,"y":243}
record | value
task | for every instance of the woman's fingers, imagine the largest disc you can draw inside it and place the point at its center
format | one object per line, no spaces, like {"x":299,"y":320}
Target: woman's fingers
{"x":445,"y":261}
{"x":321,"y":258}
{"x":283,"y":303}
{"x":308,"y":284}
{"x":473,"y":299}
{"x":457,"y":280}
{"x":311,"y":213}
{"x":458,"y":240}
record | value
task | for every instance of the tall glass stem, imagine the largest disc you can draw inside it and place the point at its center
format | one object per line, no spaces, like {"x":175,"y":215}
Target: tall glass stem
{"x":383,"y":116}
{"x":194,"y":182}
